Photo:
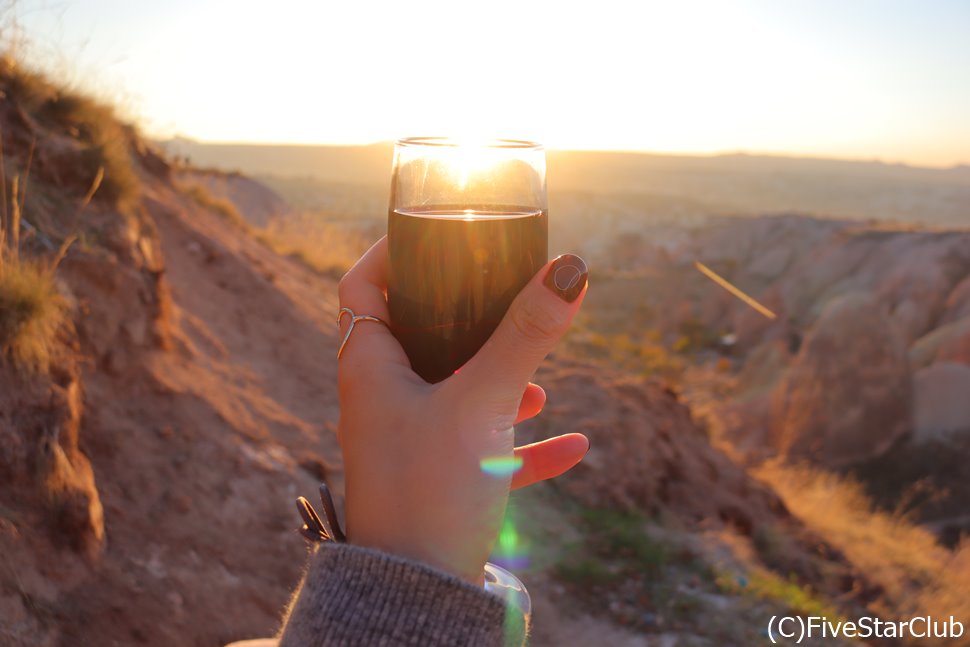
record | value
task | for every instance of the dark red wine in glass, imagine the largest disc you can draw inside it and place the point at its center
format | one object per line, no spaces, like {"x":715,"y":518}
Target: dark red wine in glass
{"x":467,"y":229}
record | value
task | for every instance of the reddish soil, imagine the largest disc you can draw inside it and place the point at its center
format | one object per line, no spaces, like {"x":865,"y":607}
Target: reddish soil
{"x":199,"y":447}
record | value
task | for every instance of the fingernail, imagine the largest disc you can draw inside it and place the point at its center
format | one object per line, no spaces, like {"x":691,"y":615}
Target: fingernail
{"x":567,"y":277}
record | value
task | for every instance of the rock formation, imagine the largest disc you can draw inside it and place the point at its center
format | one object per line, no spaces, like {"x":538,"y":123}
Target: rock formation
{"x":847,"y":395}
{"x":941,"y":402}
{"x":647,"y":454}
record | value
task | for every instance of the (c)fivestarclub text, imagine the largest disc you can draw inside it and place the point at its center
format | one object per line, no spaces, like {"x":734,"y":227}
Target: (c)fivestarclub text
{"x":798,"y":628}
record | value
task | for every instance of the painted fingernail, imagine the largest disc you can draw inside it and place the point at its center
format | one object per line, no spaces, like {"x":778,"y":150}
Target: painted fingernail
{"x":567,"y":277}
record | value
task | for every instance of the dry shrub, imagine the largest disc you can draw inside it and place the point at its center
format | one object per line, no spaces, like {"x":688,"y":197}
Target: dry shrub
{"x":950,"y":593}
{"x":103,"y":142}
{"x":107,"y":144}
{"x":326,"y":246}
{"x":31,"y":311}
{"x":917,"y":574}
{"x":29,"y":88}
{"x":221,"y":206}
{"x":642,"y":352}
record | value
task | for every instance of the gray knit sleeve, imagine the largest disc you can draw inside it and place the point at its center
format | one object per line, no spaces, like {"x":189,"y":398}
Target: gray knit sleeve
{"x":359,"y":596}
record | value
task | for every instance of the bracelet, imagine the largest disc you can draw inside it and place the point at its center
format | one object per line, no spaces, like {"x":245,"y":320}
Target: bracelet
{"x":313,"y":527}
{"x":502,"y":583}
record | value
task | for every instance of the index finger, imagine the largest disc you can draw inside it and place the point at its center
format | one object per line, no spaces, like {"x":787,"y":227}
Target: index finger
{"x":362,"y":289}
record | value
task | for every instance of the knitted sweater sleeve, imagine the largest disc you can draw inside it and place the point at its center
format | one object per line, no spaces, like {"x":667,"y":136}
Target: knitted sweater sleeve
{"x":358,"y":596}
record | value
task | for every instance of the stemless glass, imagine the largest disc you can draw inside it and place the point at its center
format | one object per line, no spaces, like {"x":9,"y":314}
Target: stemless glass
{"x":467,"y":228}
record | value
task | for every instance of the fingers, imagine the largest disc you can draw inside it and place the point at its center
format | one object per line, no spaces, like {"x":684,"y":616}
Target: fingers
{"x":532,"y":402}
{"x":365,"y":283}
{"x":362,"y":290}
{"x":533,"y":325}
{"x":548,"y":458}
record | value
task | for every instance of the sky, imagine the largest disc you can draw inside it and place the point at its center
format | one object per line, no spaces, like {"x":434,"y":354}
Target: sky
{"x":861,"y":79}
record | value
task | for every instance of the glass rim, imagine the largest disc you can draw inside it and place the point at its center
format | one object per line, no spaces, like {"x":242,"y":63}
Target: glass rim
{"x":456,"y":142}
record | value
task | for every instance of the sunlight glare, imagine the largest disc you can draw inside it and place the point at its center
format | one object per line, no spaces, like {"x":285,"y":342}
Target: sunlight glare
{"x":474,"y":158}
{"x":694,"y":77}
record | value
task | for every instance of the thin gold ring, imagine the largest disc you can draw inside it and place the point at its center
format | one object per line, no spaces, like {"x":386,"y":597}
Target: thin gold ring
{"x":354,"y":318}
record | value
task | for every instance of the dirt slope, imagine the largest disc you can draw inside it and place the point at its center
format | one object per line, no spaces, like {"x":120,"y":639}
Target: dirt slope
{"x":205,"y":442}
{"x":147,"y":479}
{"x":257,"y":203}
{"x":197,"y":447}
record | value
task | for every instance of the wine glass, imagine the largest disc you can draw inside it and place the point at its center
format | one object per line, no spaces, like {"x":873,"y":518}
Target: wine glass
{"x":467,"y":229}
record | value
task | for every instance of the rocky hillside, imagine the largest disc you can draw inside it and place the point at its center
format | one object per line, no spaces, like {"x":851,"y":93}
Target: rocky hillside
{"x":256,"y":203}
{"x":862,"y":369}
{"x":875,"y":314}
{"x":135,"y":465}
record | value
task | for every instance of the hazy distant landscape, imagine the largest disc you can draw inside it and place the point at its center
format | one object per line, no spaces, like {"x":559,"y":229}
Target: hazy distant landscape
{"x":713,"y":184}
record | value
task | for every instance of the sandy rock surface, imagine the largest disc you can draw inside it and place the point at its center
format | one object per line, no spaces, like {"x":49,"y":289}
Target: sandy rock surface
{"x":941,"y":402}
{"x":847,"y":395}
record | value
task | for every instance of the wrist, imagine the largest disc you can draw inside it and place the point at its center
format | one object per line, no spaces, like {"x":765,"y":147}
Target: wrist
{"x":422,"y":553}
{"x":356,"y":591}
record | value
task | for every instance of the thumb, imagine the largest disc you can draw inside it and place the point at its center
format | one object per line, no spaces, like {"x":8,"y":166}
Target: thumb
{"x":531,"y":328}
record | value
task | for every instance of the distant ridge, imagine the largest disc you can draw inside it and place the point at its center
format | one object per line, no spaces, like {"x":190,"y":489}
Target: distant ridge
{"x":738,"y":182}
{"x":355,"y":164}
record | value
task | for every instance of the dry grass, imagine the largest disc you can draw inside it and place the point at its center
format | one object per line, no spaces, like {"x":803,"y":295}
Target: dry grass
{"x":225,"y":208}
{"x":107,"y":145}
{"x":102,"y":141}
{"x":642,"y":352}
{"x":917,"y":574}
{"x":31,"y":311}
{"x":766,"y":585}
{"x":328,"y":247}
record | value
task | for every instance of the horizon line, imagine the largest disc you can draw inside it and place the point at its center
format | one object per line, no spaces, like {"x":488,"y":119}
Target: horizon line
{"x":627,"y":151}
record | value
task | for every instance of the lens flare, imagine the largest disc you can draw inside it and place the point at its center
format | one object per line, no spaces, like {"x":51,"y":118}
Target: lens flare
{"x":508,"y":539}
{"x":501,"y":466}
{"x":511,"y":551}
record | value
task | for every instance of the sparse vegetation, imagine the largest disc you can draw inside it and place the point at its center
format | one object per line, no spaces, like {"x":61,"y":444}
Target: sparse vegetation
{"x":107,"y":145}
{"x":623,"y":535}
{"x":925,"y":482}
{"x":94,"y":140}
{"x":221,"y":206}
{"x":765,"y":585}
{"x":654,"y":578}
{"x":31,"y":310}
{"x":324,"y":246}
{"x":615,"y":546}
{"x":774,"y":545}
{"x":642,"y":353}
{"x":695,"y":336}
{"x":915,"y":573}
{"x":586,"y":571}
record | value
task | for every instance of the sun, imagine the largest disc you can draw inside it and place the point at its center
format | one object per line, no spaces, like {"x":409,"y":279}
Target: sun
{"x":474,"y":159}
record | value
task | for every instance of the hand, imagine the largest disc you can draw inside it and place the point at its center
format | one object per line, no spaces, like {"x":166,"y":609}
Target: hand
{"x":428,"y":467}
